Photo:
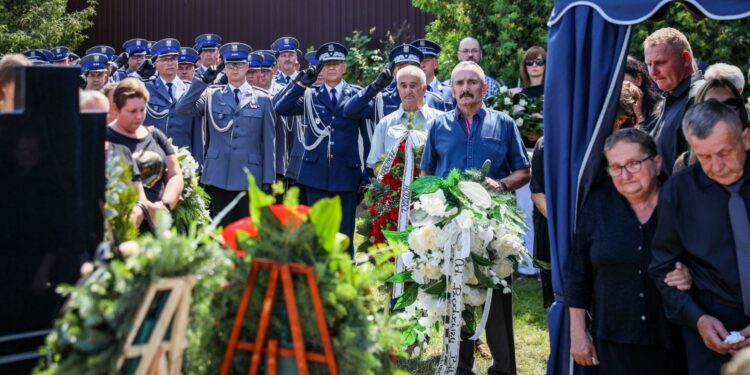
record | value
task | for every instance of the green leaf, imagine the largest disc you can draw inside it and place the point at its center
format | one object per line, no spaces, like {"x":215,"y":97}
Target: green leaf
{"x":401,"y":277}
{"x":426,"y":185}
{"x":258,"y":199}
{"x":291,"y":198}
{"x":480,"y":260}
{"x":436,"y":288}
{"x":408,"y":298}
{"x":453,"y":178}
{"x":469,"y":320}
{"x":409,"y":337}
{"x":394,"y":237}
{"x":325,"y":214}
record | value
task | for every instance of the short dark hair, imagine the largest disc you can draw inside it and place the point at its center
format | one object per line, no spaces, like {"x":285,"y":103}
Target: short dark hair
{"x":701,"y":119}
{"x":632,"y":135}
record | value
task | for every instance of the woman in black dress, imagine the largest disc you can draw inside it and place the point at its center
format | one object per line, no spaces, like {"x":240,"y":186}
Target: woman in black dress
{"x":156,"y":160}
{"x":607,"y":269}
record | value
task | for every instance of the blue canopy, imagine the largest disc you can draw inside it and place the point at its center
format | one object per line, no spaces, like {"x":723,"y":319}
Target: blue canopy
{"x":587,"y":50}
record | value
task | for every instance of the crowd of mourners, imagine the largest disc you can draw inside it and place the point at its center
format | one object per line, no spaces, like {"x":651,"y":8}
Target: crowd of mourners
{"x":658,"y":281}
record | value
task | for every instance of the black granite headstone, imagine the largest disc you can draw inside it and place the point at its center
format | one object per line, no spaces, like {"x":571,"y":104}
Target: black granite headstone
{"x":51,"y":189}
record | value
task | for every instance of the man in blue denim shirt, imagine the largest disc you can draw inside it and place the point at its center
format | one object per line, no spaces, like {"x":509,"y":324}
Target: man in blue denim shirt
{"x":464,"y":138}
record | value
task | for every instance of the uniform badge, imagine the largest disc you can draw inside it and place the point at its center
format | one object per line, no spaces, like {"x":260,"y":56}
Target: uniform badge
{"x":331,"y":48}
{"x":406,"y":48}
{"x":104,"y":50}
{"x":208,"y":38}
{"x":234,"y":47}
{"x":422,"y":43}
{"x":138,"y":43}
{"x":169,"y":43}
{"x":96,"y":58}
{"x":183,"y":51}
{"x":286,"y":41}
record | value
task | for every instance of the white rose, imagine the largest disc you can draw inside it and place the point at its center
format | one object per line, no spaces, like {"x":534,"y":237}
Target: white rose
{"x":519,"y":121}
{"x":502,"y":268}
{"x":503,"y":89}
{"x":433,"y":203}
{"x":432,"y":271}
{"x":465,"y":219}
{"x":476,"y":193}
{"x":418,"y":275}
{"x":423,"y":239}
{"x":523,"y":102}
{"x":408,"y":259}
{"x":475,"y":296}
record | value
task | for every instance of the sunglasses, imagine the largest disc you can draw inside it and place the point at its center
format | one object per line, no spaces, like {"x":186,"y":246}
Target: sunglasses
{"x":537,"y":62}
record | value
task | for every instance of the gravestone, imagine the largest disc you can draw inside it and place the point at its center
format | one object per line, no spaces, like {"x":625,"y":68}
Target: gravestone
{"x":52,"y":171}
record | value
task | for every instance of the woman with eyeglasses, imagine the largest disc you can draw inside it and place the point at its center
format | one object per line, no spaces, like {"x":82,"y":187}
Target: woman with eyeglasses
{"x":720,"y":90}
{"x":532,"y":71}
{"x":606,"y":275}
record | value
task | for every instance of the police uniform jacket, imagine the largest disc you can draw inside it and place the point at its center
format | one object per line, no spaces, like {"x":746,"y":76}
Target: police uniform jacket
{"x":335,"y":164}
{"x":183,"y":129}
{"x":238,"y":136}
{"x":363,"y":105}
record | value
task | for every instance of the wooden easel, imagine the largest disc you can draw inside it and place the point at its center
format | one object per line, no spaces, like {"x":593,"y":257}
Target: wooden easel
{"x":159,"y":357}
{"x":271,"y":349}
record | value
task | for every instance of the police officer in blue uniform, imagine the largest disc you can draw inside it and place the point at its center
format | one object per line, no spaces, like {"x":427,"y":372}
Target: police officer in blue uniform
{"x":134,"y":55}
{"x":165,"y":91}
{"x":363,"y":106}
{"x":186,"y":64}
{"x":287,"y":59}
{"x":430,"y":66}
{"x":331,"y":164}
{"x":266,"y":73}
{"x":255,"y":59}
{"x":239,"y":131}
{"x":39,"y":56}
{"x":207,"y":46}
{"x":74,"y":59}
{"x":95,"y":68}
{"x":60,"y":56}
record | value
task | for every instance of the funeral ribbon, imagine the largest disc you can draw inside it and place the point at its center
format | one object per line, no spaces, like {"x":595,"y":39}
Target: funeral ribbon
{"x":412,"y":138}
{"x":455,"y":259}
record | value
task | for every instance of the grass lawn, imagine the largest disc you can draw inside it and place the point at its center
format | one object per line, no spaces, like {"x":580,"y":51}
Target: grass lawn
{"x":530,"y":330}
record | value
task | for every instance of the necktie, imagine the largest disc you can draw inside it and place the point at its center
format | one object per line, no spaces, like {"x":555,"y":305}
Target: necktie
{"x":741,"y":232}
{"x":170,"y":87}
{"x":287,"y":79}
{"x":237,"y":96}
{"x":334,"y":101}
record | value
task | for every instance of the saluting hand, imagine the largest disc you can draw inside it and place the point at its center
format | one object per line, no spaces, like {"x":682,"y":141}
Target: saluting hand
{"x":210,"y":74}
{"x":146,"y":70}
{"x":308,"y":76}
{"x":122,"y":60}
{"x":383,"y":79}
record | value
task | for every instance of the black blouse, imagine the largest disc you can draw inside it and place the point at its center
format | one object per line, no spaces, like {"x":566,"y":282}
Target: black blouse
{"x":150,"y":155}
{"x":607,"y":272}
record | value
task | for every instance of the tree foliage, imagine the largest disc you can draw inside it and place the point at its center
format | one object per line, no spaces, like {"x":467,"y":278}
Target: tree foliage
{"x":505,"y":29}
{"x":28,"y":24}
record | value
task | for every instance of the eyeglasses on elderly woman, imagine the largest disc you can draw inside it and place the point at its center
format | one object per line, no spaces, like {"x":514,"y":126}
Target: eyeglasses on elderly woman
{"x":633,"y":166}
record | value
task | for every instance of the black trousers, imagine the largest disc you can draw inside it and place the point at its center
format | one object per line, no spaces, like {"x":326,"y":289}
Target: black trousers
{"x":221,"y":198}
{"x":700,"y":359}
{"x":499,"y":331}
{"x":626,"y":359}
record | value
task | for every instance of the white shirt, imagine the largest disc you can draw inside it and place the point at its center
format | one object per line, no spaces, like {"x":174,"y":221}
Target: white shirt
{"x":245,"y":89}
{"x":435,"y":85}
{"x":178,"y":89}
{"x":383,"y":141}
{"x":339,"y":90}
